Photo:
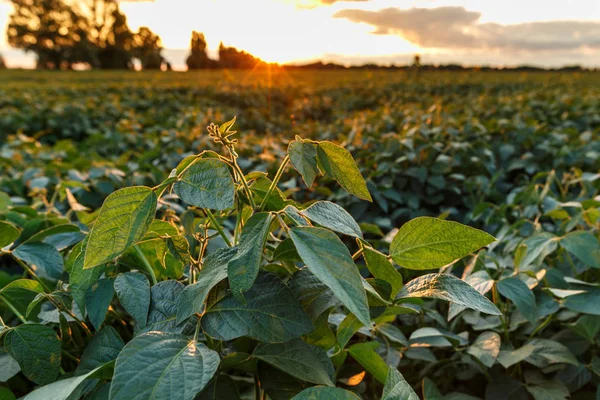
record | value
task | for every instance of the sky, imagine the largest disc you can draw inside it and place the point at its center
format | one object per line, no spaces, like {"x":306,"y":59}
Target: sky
{"x":548,"y":33}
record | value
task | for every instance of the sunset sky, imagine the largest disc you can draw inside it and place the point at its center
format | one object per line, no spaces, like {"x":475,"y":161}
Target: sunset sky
{"x":507,"y":32}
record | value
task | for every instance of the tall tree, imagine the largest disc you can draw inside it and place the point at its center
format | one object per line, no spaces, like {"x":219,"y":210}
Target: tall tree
{"x":198,"y":58}
{"x":147,"y":48}
{"x":230,"y":57}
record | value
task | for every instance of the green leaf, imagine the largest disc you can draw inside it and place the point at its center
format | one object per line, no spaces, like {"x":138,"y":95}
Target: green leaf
{"x":53,"y":230}
{"x":65,"y":388}
{"x":37,"y":350}
{"x":431,"y":391}
{"x":546,"y":352}
{"x":303,"y":156}
{"x":97,"y":300}
{"x":330,"y":261}
{"x":519,"y":293}
{"x":159,"y":365}
{"x":486,"y":348}
{"x":347,"y":328}
{"x":449,"y":288}
{"x":365,"y":355}
{"x":8,"y":234}
{"x":6,"y":394}
{"x":9,"y":367}
{"x":431,"y":243}
{"x":271,"y":314}
{"x":220,"y":387}
{"x":396,"y":387}
{"x":586,"y":302}
{"x":43,"y":259}
{"x":213,"y":271}
{"x":133,"y":292}
{"x":20,"y":293}
{"x":381,"y":268}
{"x":206,"y":183}
{"x":508,"y":358}
{"x":80,"y":280}
{"x":538,"y":247}
{"x":104,"y":347}
{"x":243,"y":268}
{"x":337,"y":163}
{"x":314,"y":295}
{"x":123,"y":221}
{"x":545,"y":389}
{"x":163,"y":307}
{"x":325,"y":393}
{"x":298,"y":359}
{"x":393,"y":333}
{"x":332,"y":216}
{"x":582,"y":245}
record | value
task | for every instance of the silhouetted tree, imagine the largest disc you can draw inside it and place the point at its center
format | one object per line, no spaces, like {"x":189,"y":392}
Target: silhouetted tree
{"x":198,"y":58}
{"x":2,"y":63}
{"x":147,"y":48}
{"x":230,"y":57}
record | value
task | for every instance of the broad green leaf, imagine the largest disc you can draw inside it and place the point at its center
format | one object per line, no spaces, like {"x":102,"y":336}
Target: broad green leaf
{"x":546,"y":352}
{"x":243,"y":268}
{"x":9,"y":367}
{"x":206,"y":183}
{"x":6,"y":394}
{"x":519,"y":293}
{"x":431,"y":391}
{"x":37,"y":350}
{"x":330,"y":261}
{"x":20,"y":293}
{"x":303,"y":156}
{"x":508,"y":358}
{"x":80,"y":280}
{"x":449,"y":288}
{"x":286,"y":251}
{"x":587,"y":326}
{"x":220,"y":387}
{"x":163,"y":307}
{"x":43,"y":259}
{"x":277,"y":384}
{"x":8,"y":234}
{"x":314,"y":295}
{"x":276,"y":200}
{"x":332,"y":216}
{"x":97,"y":300}
{"x":337,"y":163}
{"x":159,"y":365}
{"x":325,"y":393}
{"x":481,"y":282}
{"x":393,"y":334}
{"x":381,"y":268}
{"x":550,"y":390}
{"x":396,"y":387}
{"x":538,"y":247}
{"x":123,"y":221}
{"x":486,"y":348}
{"x":586,"y":302}
{"x":53,"y":230}
{"x":133,"y":292}
{"x":213,"y":271}
{"x":298,"y":359}
{"x":365,"y":355}
{"x":347,"y":328}
{"x":582,"y":245}
{"x":104,"y":347}
{"x":431,"y":243}
{"x":271,"y":314}
{"x":65,"y":388}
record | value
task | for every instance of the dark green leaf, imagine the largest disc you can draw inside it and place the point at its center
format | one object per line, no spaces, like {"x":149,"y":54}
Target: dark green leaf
{"x":133,"y":292}
{"x":104,"y":347}
{"x":37,"y":350}
{"x":80,"y":280}
{"x":582,"y":245}
{"x":396,"y":387}
{"x":271,"y":314}
{"x":303,"y":156}
{"x":220,"y":387}
{"x":519,"y":293}
{"x":97,"y":300}
{"x":365,"y":355}
{"x":43,"y":259}
{"x":381,"y":268}
{"x":546,"y":352}
{"x":314,"y":295}
{"x":206,"y":183}
{"x":159,"y":365}
{"x":332,"y":216}
{"x":8,"y":234}
{"x":325,"y":393}
{"x":330,"y":261}
{"x":163,"y":307}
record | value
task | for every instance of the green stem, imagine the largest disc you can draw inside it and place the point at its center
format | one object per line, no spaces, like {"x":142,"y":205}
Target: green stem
{"x":541,"y":326}
{"x":217,"y":226}
{"x":146,"y":264}
{"x":30,"y":271}
{"x":13,"y":309}
{"x":239,"y":171}
{"x":278,"y":175}
{"x":257,"y":391}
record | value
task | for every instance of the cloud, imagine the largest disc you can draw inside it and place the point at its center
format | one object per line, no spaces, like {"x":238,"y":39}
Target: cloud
{"x":458,"y":28}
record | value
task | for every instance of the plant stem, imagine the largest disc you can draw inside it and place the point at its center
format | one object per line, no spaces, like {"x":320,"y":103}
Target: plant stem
{"x":217,"y":226}
{"x":257,"y":394}
{"x":240,"y":173}
{"x":278,"y":175}
{"x":146,"y":264}
{"x":30,"y":271}
{"x":541,"y":326}
{"x":13,"y":309}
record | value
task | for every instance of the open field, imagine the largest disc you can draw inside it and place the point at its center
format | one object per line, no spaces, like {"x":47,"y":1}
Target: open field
{"x":516,"y":155}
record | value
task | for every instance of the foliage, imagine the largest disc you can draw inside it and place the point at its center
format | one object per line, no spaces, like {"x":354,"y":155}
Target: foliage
{"x":514,"y":156}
